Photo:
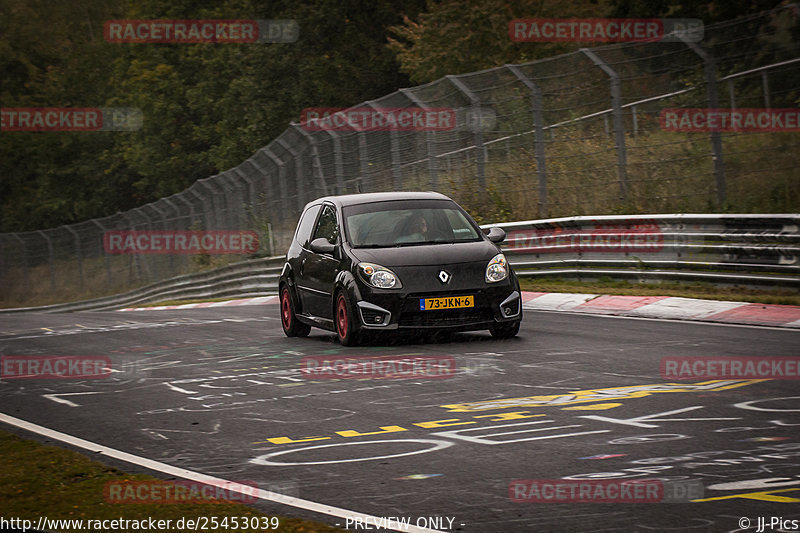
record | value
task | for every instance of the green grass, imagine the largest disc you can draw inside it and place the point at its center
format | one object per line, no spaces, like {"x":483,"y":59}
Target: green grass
{"x":41,"y":480}
{"x":705,"y":291}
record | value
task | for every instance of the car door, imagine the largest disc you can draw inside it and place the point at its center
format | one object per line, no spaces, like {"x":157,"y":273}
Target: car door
{"x":298,"y":254}
{"x":319,"y":269}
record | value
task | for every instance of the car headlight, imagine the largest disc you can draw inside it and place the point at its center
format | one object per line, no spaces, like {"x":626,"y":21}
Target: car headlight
{"x":497,"y":269}
{"x":378,"y":276}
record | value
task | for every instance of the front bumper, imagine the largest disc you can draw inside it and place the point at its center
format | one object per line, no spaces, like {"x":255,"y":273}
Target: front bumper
{"x":401,"y":310}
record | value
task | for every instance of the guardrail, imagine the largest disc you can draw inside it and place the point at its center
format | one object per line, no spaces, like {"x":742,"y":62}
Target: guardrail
{"x":256,"y":277}
{"x":738,"y":249}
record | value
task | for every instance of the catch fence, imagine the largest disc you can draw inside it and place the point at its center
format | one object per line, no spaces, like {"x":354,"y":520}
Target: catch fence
{"x":578,"y":134}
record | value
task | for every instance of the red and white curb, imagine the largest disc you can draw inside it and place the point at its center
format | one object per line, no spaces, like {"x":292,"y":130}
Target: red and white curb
{"x":636,"y":306}
{"x":666,"y":307}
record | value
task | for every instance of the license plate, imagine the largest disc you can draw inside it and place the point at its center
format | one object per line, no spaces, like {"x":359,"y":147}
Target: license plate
{"x":449,"y":302}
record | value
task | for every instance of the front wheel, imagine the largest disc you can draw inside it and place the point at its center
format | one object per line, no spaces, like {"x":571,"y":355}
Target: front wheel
{"x":505,"y":331}
{"x":291,"y":326}
{"x":345,"y":321}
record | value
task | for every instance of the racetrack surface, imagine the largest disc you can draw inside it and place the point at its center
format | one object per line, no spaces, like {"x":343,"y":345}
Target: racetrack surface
{"x":220,"y":391}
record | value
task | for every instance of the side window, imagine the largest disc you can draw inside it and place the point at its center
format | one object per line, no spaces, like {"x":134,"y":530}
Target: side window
{"x":306,"y":225}
{"x":327,"y":227}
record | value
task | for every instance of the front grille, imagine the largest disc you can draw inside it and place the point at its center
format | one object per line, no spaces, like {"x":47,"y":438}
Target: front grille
{"x":450,"y":317}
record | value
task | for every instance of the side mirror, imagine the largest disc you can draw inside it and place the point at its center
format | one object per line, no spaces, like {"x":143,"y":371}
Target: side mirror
{"x":321,"y":246}
{"x":496,"y":234}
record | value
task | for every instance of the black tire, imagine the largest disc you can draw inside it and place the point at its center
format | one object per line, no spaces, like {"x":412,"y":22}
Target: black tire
{"x":291,"y":326}
{"x":345,"y":321}
{"x":505,"y":331}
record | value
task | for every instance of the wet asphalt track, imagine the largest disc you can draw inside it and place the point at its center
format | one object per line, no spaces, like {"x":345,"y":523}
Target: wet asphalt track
{"x":220,"y":391}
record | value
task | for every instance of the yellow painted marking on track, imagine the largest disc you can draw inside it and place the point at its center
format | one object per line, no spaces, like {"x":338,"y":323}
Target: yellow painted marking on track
{"x":594,"y":407}
{"x":766,"y":496}
{"x":431,"y":424}
{"x":441,"y":423}
{"x":595,"y":395}
{"x":287,"y":440}
{"x":386,"y":429}
{"x":514,"y":415}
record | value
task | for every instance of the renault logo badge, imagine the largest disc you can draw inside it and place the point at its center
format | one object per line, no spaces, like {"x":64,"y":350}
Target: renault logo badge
{"x":444,"y":276}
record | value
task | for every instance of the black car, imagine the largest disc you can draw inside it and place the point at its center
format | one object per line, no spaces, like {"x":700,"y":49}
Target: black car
{"x":396,"y":261}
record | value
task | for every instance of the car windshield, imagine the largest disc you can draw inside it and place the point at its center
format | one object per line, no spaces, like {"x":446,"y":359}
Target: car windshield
{"x":407,"y":223}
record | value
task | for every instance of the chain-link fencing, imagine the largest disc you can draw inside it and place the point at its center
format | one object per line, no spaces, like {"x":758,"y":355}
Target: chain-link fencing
{"x":583,"y":133}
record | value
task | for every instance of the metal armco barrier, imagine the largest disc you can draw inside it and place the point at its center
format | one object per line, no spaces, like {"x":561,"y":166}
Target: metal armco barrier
{"x":257,"y":277}
{"x":731,"y":249}
{"x":738,"y":249}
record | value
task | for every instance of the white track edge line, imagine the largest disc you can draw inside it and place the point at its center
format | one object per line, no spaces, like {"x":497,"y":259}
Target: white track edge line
{"x":696,"y":321}
{"x":197,"y":476}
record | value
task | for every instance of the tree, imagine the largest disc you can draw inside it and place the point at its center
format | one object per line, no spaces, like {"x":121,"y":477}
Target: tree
{"x":457,"y":36}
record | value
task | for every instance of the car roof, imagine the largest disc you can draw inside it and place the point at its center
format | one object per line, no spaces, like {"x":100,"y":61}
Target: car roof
{"x":373,"y":197}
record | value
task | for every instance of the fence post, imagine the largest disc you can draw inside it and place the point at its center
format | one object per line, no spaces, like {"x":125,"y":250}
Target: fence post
{"x":710,"y":70}
{"x":234,"y":198}
{"x":106,"y":256}
{"x":211,"y":214}
{"x":78,"y":253}
{"x":190,"y":205}
{"x":298,"y":167}
{"x":257,"y":185}
{"x":316,"y":163}
{"x":50,"y":259}
{"x":363,"y":161}
{"x":25,"y":262}
{"x":337,"y":162}
{"x":538,"y":127}
{"x":272,"y":188}
{"x":394,"y":143}
{"x":619,"y":122}
{"x":206,"y":211}
{"x":174,"y":225}
{"x":248,"y":200}
{"x":430,"y":141}
{"x":137,"y":267}
{"x":765,"y":85}
{"x":171,"y":256}
{"x":480,"y":160}
{"x":221,"y":215}
{"x":282,"y":192}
